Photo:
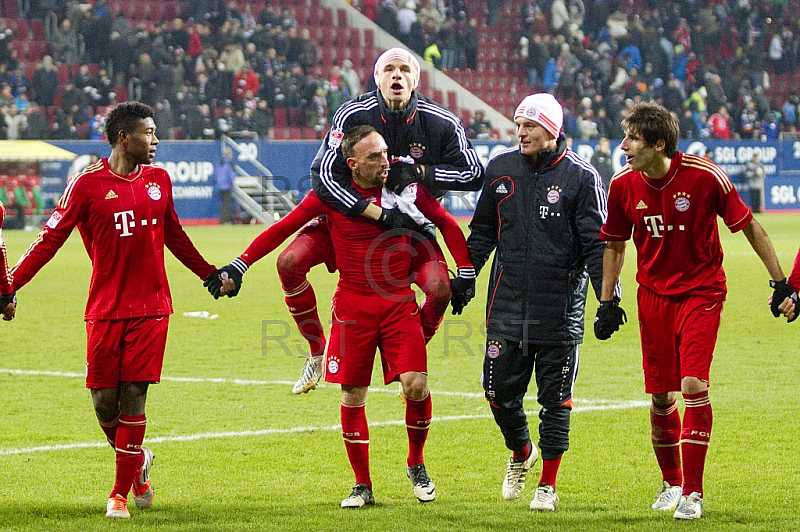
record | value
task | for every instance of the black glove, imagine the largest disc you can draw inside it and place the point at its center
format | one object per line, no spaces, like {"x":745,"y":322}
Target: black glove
{"x":396,"y":219}
{"x":403,"y":174}
{"x":781,"y":290}
{"x":235,"y":270}
{"x":609,"y":317}
{"x":463,"y":287}
{"x":5,"y":300}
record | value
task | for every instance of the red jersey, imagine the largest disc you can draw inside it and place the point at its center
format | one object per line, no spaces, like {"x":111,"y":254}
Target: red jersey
{"x":674,"y":223}
{"x":5,"y":275}
{"x":369,"y":260}
{"x":794,"y":277}
{"x":125,"y":222}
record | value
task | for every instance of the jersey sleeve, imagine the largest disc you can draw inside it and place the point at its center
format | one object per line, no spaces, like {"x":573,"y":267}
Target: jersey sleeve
{"x":277,"y":233}
{"x":330,"y":175}
{"x":179,"y":244}
{"x":451,"y":232}
{"x":732,"y":209}
{"x":589,"y":218}
{"x":484,"y":226}
{"x":460,"y":167}
{"x":72,"y":209}
{"x":617,"y":226}
{"x":5,"y":274}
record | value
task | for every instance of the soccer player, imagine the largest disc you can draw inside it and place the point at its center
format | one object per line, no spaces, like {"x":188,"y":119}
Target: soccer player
{"x":123,"y":207}
{"x":670,"y":201}
{"x":8,"y":300}
{"x":418,"y":131}
{"x":541,"y":209}
{"x":373,"y":303}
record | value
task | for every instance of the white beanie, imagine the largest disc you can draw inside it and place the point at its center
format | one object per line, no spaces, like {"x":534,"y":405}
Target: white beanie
{"x":393,"y":54}
{"x":543,"y":109}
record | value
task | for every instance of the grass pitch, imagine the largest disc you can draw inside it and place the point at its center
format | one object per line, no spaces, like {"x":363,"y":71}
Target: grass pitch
{"x":235,"y":450}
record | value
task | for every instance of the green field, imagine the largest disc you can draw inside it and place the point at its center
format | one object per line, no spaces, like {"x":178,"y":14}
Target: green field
{"x":235,"y":450}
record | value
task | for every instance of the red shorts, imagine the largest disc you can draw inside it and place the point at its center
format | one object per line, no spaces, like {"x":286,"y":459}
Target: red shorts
{"x":678,"y":339}
{"x":360,"y":325}
{"x":130,"y":350}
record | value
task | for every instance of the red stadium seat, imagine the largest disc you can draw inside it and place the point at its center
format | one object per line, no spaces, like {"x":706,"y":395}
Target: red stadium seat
{"x":281,"y":117}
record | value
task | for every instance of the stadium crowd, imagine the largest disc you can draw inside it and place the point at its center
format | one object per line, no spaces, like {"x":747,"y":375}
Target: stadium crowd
{"x":712,"y":62}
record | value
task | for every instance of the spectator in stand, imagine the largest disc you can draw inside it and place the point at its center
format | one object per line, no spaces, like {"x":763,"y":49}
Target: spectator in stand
{"x":559,"y":16}
{"x":64,"y":41}
{"x":468,"y":40}
{"x":246,"y":80}
{"x":262,"y":120}
{"x":22,"y":102}
{"x":37,"y":123}
{"x":720,"y":124}
{"x":688,"y":125}
{"x":749,"y":124}
{"x":406,"y":17}
{"x":16,"y":122}
{"x":350,"y":77}
{"x":601,"y":160}
{"x":479,"y":127}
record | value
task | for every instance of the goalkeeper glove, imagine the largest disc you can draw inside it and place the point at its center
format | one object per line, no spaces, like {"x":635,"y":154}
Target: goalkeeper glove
{"x":781,"y":290}
{"x":234,"y":271}
{"x":403,"y":174}
{"x":5,"y":301}
{"x":609,"y":317}
{"x":396,"y":219}
{"x":463,"y":287}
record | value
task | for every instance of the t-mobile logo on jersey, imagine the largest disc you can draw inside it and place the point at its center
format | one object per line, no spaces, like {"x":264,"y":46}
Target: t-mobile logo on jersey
{"x":655,"y":224}
{"x":124,"y":222}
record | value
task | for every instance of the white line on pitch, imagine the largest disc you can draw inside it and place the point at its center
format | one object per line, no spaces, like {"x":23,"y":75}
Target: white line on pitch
{"x":294,"y":430}
{"x":243,"y":382}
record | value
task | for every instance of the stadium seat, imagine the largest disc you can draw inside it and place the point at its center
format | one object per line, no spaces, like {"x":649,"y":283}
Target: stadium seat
{"x":452,"y":101}
{"x":37,"y":29}
{"x":296,"y":117}
{"x":423,"y":81}
{"x":341,"y":17}
{"x":369,"y":38}
{"x":281,"y":117}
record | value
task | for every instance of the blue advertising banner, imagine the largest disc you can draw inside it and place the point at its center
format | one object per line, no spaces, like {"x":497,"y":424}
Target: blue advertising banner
{"x":191,"y":165}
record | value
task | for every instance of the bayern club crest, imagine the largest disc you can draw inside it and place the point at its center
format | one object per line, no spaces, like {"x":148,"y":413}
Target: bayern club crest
{"x":333,"y":366}
{"x":682,"y":202}
{"x":154,"y":191}
{"x":553,"y":194}
{"x":492,"y":350}
{"x":416,"y":150}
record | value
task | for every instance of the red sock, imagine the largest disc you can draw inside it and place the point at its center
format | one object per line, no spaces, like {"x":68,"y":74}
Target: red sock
{"x":355,"y":433}
{"x":302,"y":303}
{"x":550,"y":471}
{"x":129,"y":438}
{"x":696,"y":433}
{"x":418,"y":419}
{"x":110,"y":429}
{"x":665,"y":432}
{"x":523,"y":454}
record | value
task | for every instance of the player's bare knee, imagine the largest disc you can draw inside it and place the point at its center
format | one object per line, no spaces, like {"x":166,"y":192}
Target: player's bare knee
{"x":106,"y":404}
{"x":287,"y":262}
{"x":439,"y":289}
{"x":664,"y":399}
{"x":415,"y":385}
{"x":693,"y":385}
{"x":132,"y":397}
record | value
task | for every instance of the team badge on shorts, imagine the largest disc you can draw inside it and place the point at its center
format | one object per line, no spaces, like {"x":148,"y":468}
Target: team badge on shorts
{"x":682,"y":203}
{"x":493,"y":349}
{"x":154,"y":191}
{"x":553,"y":194}
{"x":333,"y":365}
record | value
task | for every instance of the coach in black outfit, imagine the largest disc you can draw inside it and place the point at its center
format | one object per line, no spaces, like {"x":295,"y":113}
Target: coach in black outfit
{"x":541,"y":208}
